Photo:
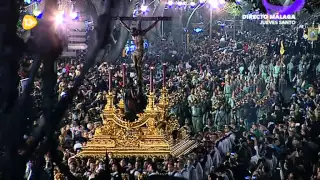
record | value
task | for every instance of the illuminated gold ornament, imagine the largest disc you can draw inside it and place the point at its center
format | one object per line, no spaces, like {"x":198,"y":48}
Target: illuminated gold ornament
{"x":312,"y":34}
{"x":29,"y":22}
{"x":282,"y":48}
{"x":150,"y":135}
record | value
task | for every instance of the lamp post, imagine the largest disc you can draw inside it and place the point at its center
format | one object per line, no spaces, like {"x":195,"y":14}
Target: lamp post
{"x":189,"y":19}
{"x":214,"y":5}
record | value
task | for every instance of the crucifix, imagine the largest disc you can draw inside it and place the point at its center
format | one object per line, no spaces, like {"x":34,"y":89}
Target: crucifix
{"x":138,"y":34}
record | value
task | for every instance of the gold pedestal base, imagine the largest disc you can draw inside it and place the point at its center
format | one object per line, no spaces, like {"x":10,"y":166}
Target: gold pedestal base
{"x":141,"y":138}
{"x":149,"y":146}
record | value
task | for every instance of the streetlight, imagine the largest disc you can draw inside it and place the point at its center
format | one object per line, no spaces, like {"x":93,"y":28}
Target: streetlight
{"x":74,"y":15}
{"x":144,"y":8}
{"x":59,"y":18}
{"x":213,"y":5}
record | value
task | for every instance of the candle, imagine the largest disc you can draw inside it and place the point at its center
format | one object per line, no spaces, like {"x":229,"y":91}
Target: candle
{"x":164,"y":72}
{"x":110,"y":80}
{"x":151,"y":79}
{"x":124,"y":74}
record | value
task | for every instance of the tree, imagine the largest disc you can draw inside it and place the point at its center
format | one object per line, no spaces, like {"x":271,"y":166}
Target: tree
{"x":45,"y":47}
{"x":233,"y":9}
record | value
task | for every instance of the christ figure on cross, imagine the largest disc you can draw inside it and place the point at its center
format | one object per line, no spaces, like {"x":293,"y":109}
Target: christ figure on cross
{"x":138,"y":34}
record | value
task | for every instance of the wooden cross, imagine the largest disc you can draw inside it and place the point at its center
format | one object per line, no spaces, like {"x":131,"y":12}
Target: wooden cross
{"x":138,"y":34}
{"x":140,"y":19}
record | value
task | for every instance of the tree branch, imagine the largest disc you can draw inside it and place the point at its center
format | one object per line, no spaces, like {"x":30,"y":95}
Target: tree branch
{"x":103,"y":31}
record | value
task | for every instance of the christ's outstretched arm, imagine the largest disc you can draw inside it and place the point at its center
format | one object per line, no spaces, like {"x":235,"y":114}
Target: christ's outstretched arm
{"x":150,"y":27}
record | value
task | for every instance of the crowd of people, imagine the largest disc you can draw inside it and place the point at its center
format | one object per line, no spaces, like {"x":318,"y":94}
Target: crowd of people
{"x":255,"y":110}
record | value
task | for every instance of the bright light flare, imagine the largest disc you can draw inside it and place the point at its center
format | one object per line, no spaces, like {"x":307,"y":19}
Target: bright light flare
{"x":179,"y":3}
{"x":192,"y":4}
{"x":170,"y":3}
{"x":202,"y":1}
{"x":59,"y":19}
{"x":222,"y":2}
{"x":60,"y":13}
{"x":144,"y":8}
{"x":73,"y":15}
{"x":213,"y":3}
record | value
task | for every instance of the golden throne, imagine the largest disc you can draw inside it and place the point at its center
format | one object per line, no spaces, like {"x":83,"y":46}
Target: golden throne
{"x":142,"y":138}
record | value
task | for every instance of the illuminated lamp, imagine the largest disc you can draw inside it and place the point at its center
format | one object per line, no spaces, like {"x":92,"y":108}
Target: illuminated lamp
{"x":198,"y":30}
{"x":192,"y":4}
{"x":74,"y":15}
{"x":144,"y":8}
{"x":170,"y":3}
{"x":222,"y":2}
{"x":59,"y":19}
{"x":213,"y":3}
{"x":180,"y":3}
{"x":202,"y":1}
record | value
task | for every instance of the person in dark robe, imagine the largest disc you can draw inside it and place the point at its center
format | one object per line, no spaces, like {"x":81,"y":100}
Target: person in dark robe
{"x":282,"y":85}
{"x":130,"y":97}
{"x":261,"y":85}
{"x":141,"y":102}
{"x":182,"y":112}
{"x":252,"y":115}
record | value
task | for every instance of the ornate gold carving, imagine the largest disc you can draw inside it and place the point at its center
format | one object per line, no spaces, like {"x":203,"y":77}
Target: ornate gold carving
{"x":148,"y":136}
{"x":58,"y":176}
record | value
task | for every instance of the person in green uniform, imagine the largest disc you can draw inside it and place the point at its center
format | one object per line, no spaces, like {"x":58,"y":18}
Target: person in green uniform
{"x":196,"y":117}
{"x":241,"y":69}
{"x":232,"y":104}
{"x":263,"y":70}
{"x":227,"y":91}
{"x":290,"y":70}
{"x":271,"y":67}
{"x":205,"y":107}
{"x":245,"y":88}
{"x":276,"y":70}
{"x":300,"y":66}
